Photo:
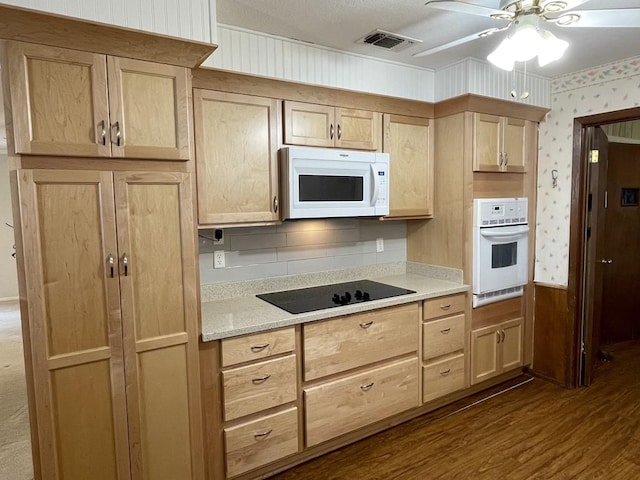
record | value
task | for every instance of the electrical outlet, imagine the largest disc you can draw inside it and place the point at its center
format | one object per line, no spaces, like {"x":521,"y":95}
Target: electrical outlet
{"x":218,"y":259}
{"x":380,"y":245}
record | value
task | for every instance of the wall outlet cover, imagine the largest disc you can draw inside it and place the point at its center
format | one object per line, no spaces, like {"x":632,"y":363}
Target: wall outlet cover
{"x":218,"y":259}
{"x":380,"y":245}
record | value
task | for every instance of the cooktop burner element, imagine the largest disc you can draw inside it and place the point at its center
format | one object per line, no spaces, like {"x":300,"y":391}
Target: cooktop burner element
{"x":310,"y":299}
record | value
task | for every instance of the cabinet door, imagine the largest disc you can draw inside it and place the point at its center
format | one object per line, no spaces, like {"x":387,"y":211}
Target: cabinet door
{"x":309,"y":124}
{"x":149,"y":109}
{"x":487,"y":143}
{"x":73,"y":336}
{"x":511,"y":344}
{"x":358,"y":129}
{"x":159,"y":313}
{"x":485,"y":345}
{"x":409,"y":141}
{"x":515,"y":144}
{"x":236,"y":157}
{"x":58,"y":101}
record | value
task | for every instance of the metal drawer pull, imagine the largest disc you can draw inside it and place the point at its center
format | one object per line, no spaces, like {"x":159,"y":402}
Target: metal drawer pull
{"x":102,"y":132}
{"x":339,"y":132}
{"x":110,"y":260}
{"x":498,"y":336}
{"x":366,"y":324}
{"x":118,"y":135}
{"x":331,"y":131}
{"x":366,"y":387}
{"x":125,"y":264}
{"x":259,"y":380}
{"x":445,"y":331}
{"x":445,"y":307}
{"x":259,"y":348}
{"x":503,"y":334}
{"x":262,"y":434}
{"x":446,"y":372}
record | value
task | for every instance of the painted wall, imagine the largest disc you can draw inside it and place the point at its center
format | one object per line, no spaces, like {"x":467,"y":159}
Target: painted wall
{"x":8,"y":275}
{"x":607,"y":88}
{"x":302,"y":246}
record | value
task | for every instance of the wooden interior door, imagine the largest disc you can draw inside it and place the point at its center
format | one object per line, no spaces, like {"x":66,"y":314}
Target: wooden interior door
{"x":620,"y":299}
{"x":74,"y":330}
{"x":358,"y":129}
{"x":58,"y":101}
{"x":236,"y":157}
{"x":156,"y":241}
{"x":309,"y":124}
{"x":149,"y":109}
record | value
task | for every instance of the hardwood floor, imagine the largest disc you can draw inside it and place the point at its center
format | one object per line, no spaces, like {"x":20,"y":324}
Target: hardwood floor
{"x":535,"y":431}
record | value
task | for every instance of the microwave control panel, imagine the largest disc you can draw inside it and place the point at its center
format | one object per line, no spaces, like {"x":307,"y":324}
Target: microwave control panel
{"x":381,"y":179}
{"x":491,"y":212}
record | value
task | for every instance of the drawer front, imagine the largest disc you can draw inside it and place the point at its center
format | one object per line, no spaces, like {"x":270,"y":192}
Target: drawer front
{"x":259,"y":386}
{"x":256,"y":443}
{"x":442,"y":377}
{"x":333,"y":346}
{"x":257,"y":346}
{"x":437,"y":307}
{"x":440,"y":337}
{"x":342,"y":405}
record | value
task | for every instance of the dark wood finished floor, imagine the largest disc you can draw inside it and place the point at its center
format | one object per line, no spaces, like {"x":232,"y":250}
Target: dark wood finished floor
{"x":535,"y":431}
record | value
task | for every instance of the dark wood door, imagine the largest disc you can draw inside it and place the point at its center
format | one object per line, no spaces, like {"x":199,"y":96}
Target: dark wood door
{"x":621,"y":277}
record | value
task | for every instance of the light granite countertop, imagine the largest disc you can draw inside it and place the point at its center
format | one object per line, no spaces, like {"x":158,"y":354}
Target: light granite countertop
{"x":245,"y":313}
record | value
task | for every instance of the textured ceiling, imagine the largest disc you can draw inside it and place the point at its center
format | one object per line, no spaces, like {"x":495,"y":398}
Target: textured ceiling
{"x":340,"y":23}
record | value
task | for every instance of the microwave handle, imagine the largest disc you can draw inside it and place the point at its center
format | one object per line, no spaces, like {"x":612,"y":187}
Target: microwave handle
{"x":376,"y":185}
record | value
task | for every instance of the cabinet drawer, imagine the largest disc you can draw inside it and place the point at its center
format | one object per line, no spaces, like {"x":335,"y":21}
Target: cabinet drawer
{"x":259,"y":386}
{"x":442,"y":377}
{"x":437,"y":307}
{"x":342,"y":405}
{"x":256,"y":443}
{"x":443,"y":336}
{"x":340,"y":344}
{"x":257,"y":346}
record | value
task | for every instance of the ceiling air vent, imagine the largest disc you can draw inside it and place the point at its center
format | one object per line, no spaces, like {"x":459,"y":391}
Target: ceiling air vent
{"x":388,"y":40}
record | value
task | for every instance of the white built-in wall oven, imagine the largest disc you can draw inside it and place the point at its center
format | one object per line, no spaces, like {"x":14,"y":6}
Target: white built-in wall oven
{"x":500,"y":249}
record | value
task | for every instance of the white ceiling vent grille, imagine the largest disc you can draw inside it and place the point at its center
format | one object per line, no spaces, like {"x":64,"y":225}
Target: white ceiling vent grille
{"x":388,"y":40}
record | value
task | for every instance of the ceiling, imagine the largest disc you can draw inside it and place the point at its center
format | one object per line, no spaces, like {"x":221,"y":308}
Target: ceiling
{"x":340,"y":23}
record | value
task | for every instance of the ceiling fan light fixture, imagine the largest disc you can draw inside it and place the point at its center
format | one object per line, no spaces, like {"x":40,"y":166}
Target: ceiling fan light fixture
{"x":551,"y":48}
{"x":502,"y":57}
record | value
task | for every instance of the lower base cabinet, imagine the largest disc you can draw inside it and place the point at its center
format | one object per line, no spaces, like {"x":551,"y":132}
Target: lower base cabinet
{"x":442,"y":377}
{"x":258,"y":442}
{"x":345,"y":404}
{"x":496,"y":349}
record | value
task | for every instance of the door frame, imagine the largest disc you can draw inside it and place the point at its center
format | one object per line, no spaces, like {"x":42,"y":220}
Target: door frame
{"x":577,"y":245}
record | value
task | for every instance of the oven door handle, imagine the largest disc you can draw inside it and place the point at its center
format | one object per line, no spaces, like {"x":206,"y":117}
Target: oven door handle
{"x":505,"y":233}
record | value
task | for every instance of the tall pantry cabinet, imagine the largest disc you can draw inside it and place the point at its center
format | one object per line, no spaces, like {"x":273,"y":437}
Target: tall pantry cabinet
{"x":100,"y":146}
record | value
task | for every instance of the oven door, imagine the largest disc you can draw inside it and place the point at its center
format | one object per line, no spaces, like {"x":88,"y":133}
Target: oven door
{"x":500,"y":257}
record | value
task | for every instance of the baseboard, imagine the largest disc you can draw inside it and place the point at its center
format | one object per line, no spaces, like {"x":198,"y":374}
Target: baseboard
{"x":9,"y":299}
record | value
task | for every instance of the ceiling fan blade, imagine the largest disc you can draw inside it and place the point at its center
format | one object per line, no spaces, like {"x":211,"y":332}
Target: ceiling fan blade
{"x":614,"y":18}
{"x":464,"y":7}
{"x":459,"y":41}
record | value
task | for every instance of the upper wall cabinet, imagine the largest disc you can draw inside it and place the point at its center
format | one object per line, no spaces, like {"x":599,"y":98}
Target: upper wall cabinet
{"x":409,"y":141}
{"x":69,"y":102}
{"x":501,"y":143}
{"x":236,"y":157}
{"x":325,"y":126}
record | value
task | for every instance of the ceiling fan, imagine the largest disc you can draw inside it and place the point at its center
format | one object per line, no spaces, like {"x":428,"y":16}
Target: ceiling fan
{"x":526,"y":37}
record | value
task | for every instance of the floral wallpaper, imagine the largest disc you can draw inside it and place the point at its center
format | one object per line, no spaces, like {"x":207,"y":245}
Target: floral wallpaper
{"x":606,"y":88}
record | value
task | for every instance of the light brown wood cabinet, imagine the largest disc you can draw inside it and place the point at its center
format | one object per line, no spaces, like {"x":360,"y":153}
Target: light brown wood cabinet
{"x":75,"y":103}
{"x":327,"y":126}
{"x":496,"y":349}
{"x":409,"y":141}
{"x":110,"y":324}
{"x":501,"y":143}
{"x":236,"y":157}
{"x":443,"y":346}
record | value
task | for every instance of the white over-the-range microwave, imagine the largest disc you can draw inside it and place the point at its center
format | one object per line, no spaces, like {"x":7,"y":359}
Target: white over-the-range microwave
{"x":327,"y":183}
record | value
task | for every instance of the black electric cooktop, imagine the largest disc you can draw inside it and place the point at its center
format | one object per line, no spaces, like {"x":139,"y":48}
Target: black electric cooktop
{"x":304,"y":300}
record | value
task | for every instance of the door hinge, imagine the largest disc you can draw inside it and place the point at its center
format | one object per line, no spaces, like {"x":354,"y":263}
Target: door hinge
{"x":593,"y":156}
{"x":606,"y":199}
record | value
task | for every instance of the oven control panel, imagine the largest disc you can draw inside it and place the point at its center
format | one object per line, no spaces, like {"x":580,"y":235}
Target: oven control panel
{"x":491,"y":212}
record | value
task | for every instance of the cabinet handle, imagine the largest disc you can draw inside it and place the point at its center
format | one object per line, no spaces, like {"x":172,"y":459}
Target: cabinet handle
{"x":506,"y":158}
{"x":445,"y":331}
{"x":275,"y":204}
{"x":366,"y":324}
{"x":331,"y":131}
{"x":259,"y":380}
{"x":366,"y":387}
{"x":445,"y":307}
{"x":262,"y":434}
{"x":118,"y":135}
{"x":501,"y":158}
{"x":339,"y":131}
{"x":446,"y":372}
{"x":110,"y":261}
{"x":102,"y":132}
{"x":125,"y":264}
{"x":498,"y":336}
{"x":259,"y":348}
{"x":503,"y":335}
